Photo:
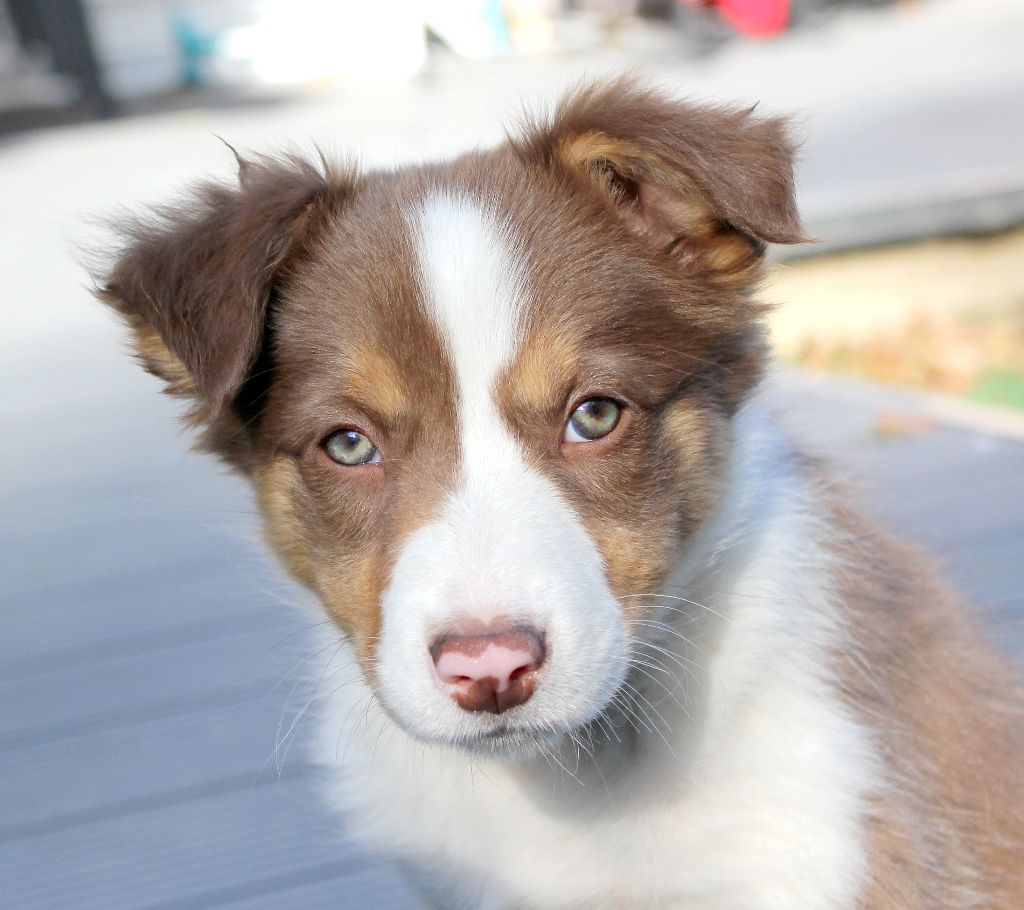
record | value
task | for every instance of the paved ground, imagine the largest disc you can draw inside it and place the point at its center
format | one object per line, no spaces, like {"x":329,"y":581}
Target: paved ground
{"x":146,"y":660}
{"x":148,"y":665}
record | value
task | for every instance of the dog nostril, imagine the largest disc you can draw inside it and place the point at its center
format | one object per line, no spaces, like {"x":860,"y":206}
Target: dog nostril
{"x":489,"y":670}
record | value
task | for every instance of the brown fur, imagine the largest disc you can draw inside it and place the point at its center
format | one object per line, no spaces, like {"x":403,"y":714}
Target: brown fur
{"x":707,"y":185}
{"x":289,"y":308}
{"x":195,"y":282}
{"x":373,"y":362}
{"x":948,"y":829}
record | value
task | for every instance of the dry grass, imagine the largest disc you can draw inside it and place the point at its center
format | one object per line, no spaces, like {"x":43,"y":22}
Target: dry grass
{"x":945,"y":315}
{"x":952,"y":353}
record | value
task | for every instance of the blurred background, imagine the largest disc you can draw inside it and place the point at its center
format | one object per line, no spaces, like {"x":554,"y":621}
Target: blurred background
{"x":154,"y":696}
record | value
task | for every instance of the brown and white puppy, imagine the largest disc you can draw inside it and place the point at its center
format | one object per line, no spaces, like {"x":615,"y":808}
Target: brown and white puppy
{"x":499,"y":414}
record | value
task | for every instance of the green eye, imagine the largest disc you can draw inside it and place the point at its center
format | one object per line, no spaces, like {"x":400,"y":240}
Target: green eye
{"x":350,"y":448}
{"x":594,"y":418}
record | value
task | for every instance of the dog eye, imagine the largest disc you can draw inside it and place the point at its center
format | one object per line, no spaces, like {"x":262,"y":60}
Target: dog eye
{"x":594,"y":418}
{"x":350,"y":447}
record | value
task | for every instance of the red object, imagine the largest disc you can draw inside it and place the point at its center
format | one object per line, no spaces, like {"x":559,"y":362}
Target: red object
{"x":757,"y":18}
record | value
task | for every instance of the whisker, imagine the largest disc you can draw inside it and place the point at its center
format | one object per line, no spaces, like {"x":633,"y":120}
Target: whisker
{"x":686,"y":600}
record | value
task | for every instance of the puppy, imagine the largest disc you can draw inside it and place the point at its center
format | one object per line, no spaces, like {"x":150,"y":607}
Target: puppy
{"x":620,"y":646}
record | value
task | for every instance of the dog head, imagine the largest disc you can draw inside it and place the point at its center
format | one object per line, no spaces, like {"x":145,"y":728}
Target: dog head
{"x":485,"y":403}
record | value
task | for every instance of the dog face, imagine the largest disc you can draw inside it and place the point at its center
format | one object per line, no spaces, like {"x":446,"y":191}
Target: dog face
{"x":483,"y":404}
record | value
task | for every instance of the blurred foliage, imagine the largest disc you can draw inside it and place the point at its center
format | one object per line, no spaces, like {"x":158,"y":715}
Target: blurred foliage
{"x":998,"y":387}
{"x":945,"y":314}
{"x":979,"y":354}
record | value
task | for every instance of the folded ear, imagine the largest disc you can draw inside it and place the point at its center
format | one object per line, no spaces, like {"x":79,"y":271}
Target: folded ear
{"x":194,"y":282}
{"x":708,"y":186}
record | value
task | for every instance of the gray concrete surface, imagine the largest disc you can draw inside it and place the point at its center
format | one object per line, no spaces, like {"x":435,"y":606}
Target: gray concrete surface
{"x":146,"y":657}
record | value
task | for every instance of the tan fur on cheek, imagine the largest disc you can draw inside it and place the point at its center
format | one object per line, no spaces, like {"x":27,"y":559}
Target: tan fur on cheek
{"x":638,"y":548}
{"x":635,"y":560}
{"x":352,"y":593}
{"x":697,"y":436}
{"x":348,"y":584}
{"x":277,"y":484}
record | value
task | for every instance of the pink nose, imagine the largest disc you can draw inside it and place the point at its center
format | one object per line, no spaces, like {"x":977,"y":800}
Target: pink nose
{"x":492,"y":670}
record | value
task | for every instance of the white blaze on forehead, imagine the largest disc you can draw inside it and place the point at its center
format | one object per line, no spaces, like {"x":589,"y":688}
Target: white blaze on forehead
{"x":474,"y":287}
{"x":505,"y":544}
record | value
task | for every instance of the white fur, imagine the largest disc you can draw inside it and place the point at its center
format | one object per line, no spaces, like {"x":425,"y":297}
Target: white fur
{"x":505,"y":544}
{"x":755,"y":798}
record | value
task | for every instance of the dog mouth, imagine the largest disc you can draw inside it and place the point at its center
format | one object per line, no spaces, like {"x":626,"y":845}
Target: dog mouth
{"x":515,"y":737}
{"x":510,"y":740}
{"x":624,"y":714}
{"x":494,"y":737}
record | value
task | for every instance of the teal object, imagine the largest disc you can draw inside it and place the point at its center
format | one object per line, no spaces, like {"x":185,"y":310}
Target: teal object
{"x":194,"y":45}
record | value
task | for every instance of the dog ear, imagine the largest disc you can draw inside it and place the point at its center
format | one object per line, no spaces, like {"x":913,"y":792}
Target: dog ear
{"x":194,"y":282}
{"x":707,"y":186}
